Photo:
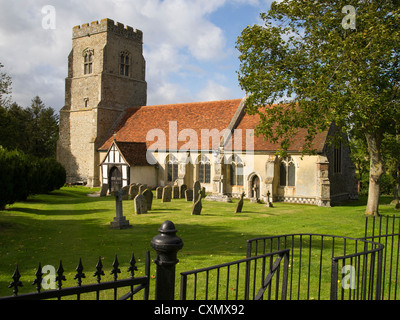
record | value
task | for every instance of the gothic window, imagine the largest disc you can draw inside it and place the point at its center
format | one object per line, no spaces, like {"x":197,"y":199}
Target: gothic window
{"x":337,"y":159}
{"x":172,"y":169}
{"x":124,"y":64}
{"x":88,"y":61}
{"x":287,"y":172}
{"x":236,"y":172}
{"x":204,"y":170}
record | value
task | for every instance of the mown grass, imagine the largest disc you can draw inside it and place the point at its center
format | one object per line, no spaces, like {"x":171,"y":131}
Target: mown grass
{"x":68,"y":224}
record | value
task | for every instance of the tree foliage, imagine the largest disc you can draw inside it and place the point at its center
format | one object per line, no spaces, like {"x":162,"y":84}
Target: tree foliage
{"x":303,"y":56}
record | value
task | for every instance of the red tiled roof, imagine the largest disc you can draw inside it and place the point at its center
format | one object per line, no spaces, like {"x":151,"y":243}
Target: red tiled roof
{"x":138,"y":121}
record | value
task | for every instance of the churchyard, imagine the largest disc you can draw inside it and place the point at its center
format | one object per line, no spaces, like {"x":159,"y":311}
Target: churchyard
{"x":72,"y":223}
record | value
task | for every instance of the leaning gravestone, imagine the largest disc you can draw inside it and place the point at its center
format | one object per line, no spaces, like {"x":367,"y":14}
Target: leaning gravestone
{"x":189,"y":195}
{"x":167,"y":194}
{"x":203,"y":192}
{"x":126,"y":193}
{"x":148,"y":195}
{"x":239,"y":205}
{"x":197,"y":206}
{"x":140,"y":204}
{"x":182,"y":190}
{"x":159,"y":191}
{"x":142,"y":187}
{"x":104,"y":189}
{"x":175,"y":192}
{"x":133,"y":191}
{"x":196,"y":191}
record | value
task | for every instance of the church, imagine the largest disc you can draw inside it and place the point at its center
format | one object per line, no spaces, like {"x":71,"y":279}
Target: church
{"x":108,"y":134}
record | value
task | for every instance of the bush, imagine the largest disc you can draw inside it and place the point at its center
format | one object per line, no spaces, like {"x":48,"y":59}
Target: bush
{"x":22,"y":175}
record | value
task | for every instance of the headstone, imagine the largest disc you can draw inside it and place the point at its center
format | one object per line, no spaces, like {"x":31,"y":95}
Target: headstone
{"x":239,"y":205}
{"x":175,"y":192}
{"x":189,"y":195}
{"x":104,"y":189}
{"x":133,"y":191}
{"x":197,"y":206}
{"x":269,"y":203}
{"x":126,"y":193}
{"x":119,"y":221}
{"x":196,"y":191}
{"x":159,"y":191}
{"x":142,"y":187}
{"x":148,"y":195}
{"x":140,"y":204}
{"x":182,"y":190}
{"x":167,"y":194}
{"x":203,"y":192}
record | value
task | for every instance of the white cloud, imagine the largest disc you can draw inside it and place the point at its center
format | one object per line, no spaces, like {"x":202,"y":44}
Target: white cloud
{"x":214,"y":91}
{"x":179,"y":38}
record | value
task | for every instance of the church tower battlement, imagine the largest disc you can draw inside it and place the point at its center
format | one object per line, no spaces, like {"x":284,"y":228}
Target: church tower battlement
{"x":106,"y":75}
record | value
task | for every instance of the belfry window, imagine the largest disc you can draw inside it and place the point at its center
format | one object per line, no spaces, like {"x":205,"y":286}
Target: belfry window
{"x":287,"y":172}
{"x":88,"y":61}
{"x":124,"y":64}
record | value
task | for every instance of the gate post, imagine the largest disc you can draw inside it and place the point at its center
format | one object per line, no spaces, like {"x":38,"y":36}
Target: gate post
{"x":166,"y":244}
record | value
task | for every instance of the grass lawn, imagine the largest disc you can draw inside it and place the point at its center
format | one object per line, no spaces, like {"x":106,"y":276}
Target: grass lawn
{"x":68,"y":224}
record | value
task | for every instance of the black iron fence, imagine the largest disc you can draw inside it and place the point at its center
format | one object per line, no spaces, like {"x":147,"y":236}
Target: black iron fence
{"x":292,"y":266}
{"x":250,"y":278}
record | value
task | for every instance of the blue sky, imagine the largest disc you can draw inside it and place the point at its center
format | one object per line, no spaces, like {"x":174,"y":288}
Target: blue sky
{"x":189,"y":45}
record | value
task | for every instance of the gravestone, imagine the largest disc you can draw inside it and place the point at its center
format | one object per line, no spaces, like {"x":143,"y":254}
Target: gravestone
{"x":269,"y":203}
{"x":140,"y":204}
{"x":159,"y":191}
{"x":197,"y":206}
{"x":126,"y":193}
{"x":196,"y":191}
{"x":133,"y":191}
{"x":182,"y":190}
{"x":167,"y":194}
{"x":189,"y":195}
{"x":175,"y":192}
{"x":148,"y":195}
{"x":203,"y":192}
{"x":104,"y":189}
{"x":119,"y":221}
{"x":142,"y":187}
{"x":239,"y":205}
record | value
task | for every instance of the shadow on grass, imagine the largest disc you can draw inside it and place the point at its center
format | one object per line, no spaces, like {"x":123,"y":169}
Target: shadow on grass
{"x":58,"y":212}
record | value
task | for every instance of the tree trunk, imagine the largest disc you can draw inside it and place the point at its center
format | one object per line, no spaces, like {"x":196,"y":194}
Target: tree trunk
{"x":375,"y":174}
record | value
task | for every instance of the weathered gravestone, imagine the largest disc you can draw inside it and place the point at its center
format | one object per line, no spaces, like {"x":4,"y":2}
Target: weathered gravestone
{"x":159,"y":191}
{"x":142,"y":187}
{"x":167,"y":194}
{"x":133,"y":191}
{"x":126,"y":193}
{"x":175,"y":192}
{"x":182,"y":190}
{"x":189,"y":195}
{"x":104,"y":189}
{"x":203,"y":192}
{"x":196,"y":191}
{"x":269,"y":203}
{"x":119,"y":221}
{"x":148,"y":195}
{"x":140,"y":204}
{"x":197,"y":206}
{"x":239,"y":205}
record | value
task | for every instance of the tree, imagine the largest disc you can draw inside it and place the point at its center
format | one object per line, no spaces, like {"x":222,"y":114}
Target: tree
{"x":325,"y":70}
{"x":5,"y":87}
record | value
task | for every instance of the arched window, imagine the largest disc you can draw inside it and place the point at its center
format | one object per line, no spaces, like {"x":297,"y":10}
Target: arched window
{"x":88,"y":61}
{"x":236,"y":172}
{"x":172,"y":168}
{"x":287,"y":172}
{"x":124,"y":63}
{"x":204,"y":170}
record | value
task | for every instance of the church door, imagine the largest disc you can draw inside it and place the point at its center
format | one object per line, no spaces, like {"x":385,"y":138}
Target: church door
{"x":255,"y":187}
{"x":115,"y":179}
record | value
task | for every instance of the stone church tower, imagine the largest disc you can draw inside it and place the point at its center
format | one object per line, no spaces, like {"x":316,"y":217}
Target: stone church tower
{"x":106,"y":75}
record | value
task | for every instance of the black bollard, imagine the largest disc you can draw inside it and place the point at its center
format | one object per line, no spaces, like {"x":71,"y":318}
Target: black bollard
{"x":166,"y":244}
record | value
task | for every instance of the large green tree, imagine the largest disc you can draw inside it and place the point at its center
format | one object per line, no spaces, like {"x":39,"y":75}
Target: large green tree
{"x":332,"y":61}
